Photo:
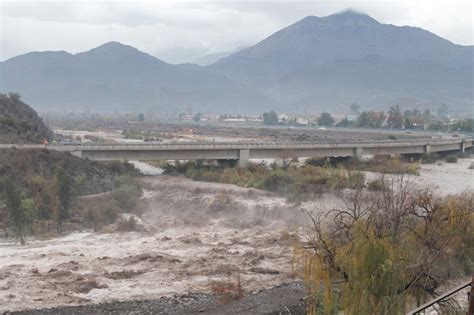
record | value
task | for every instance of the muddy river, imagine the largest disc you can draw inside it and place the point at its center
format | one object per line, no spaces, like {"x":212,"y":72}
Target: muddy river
{"x":194,"y":235}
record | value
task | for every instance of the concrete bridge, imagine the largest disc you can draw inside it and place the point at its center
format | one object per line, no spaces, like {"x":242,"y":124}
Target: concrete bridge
{"x":243,"y":151}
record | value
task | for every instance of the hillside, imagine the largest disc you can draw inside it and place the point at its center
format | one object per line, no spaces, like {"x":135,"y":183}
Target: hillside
{"x":89,"y":177}
{"x":114,"y":76}
{"x":319,"y":62}
{"x":19,"y":123}
{"x":316,"y":63}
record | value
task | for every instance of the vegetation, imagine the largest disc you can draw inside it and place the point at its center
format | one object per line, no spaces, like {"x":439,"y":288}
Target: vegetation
{"x":18,"y":209}
{"x":197,"y":117}
{"x":64,"y":187}
{"x":370,"y":119}
{"x":429,"y":158}
{"x":270,"y":118}
{"x":451,"y":158}
{"x":383,"y":164}
{"x":296,"y":183}
{"x":40,"y":187}
{"x":326,"y":120}
{"x":395,"y":117}
{"x":105,"y":209}
{"x":386,"y":252}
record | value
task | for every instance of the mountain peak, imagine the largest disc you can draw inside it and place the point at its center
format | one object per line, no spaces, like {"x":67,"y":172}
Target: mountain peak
{"x":351,"y":17}
{"x":113,"y":46}
{"x":116,"y":50}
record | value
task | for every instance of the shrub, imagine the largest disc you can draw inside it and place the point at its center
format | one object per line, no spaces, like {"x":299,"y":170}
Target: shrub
{"x":356,"y":180}
{"x":126,"y":225}
{"x":376,"y":185}
{"x":451,"y":158}
{"x":472,"y":166}
{"x":127,"y":197}
{"x":429,"y":158}
{"x":278,"y":181}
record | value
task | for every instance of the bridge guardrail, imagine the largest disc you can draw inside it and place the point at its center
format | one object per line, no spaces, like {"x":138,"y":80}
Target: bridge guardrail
{"x":246,"y":144}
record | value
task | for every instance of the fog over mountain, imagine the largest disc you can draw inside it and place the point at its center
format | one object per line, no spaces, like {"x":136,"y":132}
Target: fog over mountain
{"x":312,"y":65}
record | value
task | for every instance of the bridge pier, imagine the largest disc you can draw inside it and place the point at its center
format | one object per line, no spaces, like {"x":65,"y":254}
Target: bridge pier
{"x":358,"y":152}
{"x":427,"y":149}
{"x":244,"y":155}
{"x":463,"y":146}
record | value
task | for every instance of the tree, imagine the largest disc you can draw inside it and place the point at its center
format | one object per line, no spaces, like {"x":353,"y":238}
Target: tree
{"x":64,"y":182}
{"x":141,"y":117}
{"x":15,"y":97}
{"x":18,"y":211}
{"x":408,"y":124}
{"x":270,"y":118}
{"x":363,"y":120}
{"x":395,"y":117}
{"x":426,"y":116}
{"x":355,"y":108}
{"x":442,"y":111}
{"x":389,"y":251}
{"x":197,"y":117}
{"x":325,"y":120}
{"x":371,"y":119}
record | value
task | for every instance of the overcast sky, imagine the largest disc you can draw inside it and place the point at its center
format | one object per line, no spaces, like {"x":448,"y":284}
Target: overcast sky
{"x":181,"y":31}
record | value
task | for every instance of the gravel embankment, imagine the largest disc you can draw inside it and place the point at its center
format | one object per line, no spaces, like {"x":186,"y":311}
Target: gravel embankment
{"x":284,"y":299}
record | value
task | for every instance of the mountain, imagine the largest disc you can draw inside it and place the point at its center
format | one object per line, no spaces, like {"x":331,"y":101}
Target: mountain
{"x":114,"y":76}
{"x":209,"y":59}
{"x":316,"y":64}
{"x":346,"y":57}
{"x":19,"y":123}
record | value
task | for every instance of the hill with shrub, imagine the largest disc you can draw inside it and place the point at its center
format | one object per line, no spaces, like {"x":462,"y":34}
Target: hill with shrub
{"x":19,"y":123}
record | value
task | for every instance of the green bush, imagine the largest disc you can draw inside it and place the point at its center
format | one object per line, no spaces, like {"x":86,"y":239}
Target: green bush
{"x":451,"y":158}
{"x":277,"y":181}
{"x":356,"y":180}
{"x":429,"y":158}
{"x":376,"y":185}
{"x":127,"y":197}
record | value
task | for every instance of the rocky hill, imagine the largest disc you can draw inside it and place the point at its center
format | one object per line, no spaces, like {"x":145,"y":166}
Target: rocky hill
{"x":19,"y":123}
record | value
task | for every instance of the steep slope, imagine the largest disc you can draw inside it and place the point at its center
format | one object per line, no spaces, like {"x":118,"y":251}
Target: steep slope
{"x":350,"y":57}
{"x":119,"y":77}
{"x":19,"y":123}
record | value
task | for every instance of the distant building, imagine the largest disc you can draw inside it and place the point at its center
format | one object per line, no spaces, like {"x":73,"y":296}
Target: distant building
{"x":302,"y":121}
{"x":235,"y":120}
{"x":185,"y":117}
{"x":351,"y":118}
{"x":283,"y":118}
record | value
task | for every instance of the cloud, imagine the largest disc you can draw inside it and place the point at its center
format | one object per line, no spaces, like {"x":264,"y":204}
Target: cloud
{"x":180,"y":31}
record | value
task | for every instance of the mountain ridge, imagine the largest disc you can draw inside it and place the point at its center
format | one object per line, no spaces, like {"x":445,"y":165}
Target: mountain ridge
{"x":348,"y":55}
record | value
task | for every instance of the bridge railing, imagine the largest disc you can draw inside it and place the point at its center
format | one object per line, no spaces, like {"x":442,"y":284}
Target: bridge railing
{"x":248,"y":144}
{"x":446,"y":295}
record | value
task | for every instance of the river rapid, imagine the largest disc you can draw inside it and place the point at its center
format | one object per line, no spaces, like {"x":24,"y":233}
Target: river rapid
{"x":193,"y":235}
